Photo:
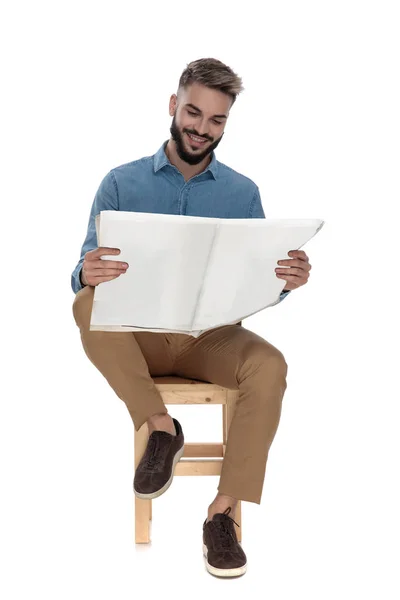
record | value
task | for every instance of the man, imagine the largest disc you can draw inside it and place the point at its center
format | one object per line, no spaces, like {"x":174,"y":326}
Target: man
{"x":184,"y":177}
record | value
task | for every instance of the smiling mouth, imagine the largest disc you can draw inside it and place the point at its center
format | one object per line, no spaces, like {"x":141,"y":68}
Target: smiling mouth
{"x":196,"y":141}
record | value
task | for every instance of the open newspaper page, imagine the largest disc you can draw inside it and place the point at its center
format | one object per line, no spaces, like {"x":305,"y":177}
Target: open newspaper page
{"x":240,"y":280}
{"x":167,"y":257}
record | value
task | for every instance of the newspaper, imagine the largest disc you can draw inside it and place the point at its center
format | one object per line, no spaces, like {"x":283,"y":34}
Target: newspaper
{"x":191,"y":274}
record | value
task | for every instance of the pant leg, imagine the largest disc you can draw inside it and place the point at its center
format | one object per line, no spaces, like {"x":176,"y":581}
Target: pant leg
{"x":237,"y":358}
{"x":128,"y":360}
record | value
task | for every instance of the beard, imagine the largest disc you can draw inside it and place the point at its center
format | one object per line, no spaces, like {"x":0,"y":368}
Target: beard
{"x":191,"y":158}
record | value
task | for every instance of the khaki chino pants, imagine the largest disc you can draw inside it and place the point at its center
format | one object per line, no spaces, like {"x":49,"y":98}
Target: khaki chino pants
{"x":230,"y":356}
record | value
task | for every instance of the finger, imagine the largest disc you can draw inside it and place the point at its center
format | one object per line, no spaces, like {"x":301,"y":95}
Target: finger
{"x":293,"y":278}
{"x":103,"y":272}
{"x":97,"y":252}
{"x":106,"y":250}
{"x":300,"y":254}
{"x":293,"y":263}
{"x":110,"y":264}
{"x":303,"y":266}
{"x":291,"y":271}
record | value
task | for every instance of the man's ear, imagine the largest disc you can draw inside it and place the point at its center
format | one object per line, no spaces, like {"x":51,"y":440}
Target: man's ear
{"x":172,"y":104}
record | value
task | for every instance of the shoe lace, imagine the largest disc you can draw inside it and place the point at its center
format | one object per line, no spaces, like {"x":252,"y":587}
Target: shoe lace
{"x":224,"y":532}
{"x":155,"y":455}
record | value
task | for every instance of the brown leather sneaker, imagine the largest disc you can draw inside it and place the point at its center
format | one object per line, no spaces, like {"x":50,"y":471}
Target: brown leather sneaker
{"x":155,"y":471}
{"x":223,"y":553}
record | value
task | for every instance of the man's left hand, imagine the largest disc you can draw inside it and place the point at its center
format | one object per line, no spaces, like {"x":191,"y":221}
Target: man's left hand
{"x":298,"y":272}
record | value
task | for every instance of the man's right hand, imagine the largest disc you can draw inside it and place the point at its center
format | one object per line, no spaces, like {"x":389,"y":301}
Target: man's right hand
{"x":95,"y":270}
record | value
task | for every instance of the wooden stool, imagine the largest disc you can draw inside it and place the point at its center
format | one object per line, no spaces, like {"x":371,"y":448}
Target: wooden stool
{"x":177,"y":390}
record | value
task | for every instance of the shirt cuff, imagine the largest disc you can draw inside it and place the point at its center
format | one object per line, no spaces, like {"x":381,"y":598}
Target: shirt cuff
{"x":284,"y":294}
{"x":80,"y":280}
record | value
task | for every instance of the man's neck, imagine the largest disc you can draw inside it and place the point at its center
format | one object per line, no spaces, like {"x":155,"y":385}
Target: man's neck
{"x":188,"y":171}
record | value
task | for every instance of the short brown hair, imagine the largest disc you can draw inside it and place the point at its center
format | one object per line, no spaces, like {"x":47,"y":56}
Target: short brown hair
{"x":214,"y":74}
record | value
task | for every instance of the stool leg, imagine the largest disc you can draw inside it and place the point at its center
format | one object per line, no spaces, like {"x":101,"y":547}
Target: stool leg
{"x":142,"y":520}
{"x":143,"y":512}
{"x":228,"y":410}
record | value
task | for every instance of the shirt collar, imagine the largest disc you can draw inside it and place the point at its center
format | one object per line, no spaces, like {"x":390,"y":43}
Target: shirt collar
{"x":161,"y":159}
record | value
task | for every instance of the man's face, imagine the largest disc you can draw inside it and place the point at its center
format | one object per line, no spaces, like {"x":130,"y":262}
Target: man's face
{"x":206,"y":119}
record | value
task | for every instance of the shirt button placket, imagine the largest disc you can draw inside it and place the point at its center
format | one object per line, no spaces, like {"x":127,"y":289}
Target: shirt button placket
{"x":184,"y":199}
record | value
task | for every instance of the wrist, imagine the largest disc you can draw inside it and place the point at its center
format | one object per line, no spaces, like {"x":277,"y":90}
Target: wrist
{"x":81,"y":279}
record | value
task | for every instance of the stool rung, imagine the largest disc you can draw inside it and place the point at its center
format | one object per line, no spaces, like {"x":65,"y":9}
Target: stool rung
{"x":192,"y":395}
{"x":203,"y":449}
{"x":209,"y":466}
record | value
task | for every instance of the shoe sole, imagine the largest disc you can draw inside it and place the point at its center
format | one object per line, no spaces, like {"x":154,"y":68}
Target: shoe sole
{"x":223,"y":572}
{"x":161,"y":491}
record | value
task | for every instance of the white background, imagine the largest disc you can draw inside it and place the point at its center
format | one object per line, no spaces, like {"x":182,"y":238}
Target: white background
{"x":86,"y":88}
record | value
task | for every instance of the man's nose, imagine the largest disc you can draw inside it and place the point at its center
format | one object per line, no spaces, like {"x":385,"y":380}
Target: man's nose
{"x":202,"y":128}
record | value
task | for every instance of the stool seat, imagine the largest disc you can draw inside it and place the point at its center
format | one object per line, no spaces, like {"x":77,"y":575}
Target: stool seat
{"x":197,"y":458}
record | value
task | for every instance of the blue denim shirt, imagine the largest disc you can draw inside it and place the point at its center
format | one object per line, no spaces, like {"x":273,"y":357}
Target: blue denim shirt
{"x":153,"y":184}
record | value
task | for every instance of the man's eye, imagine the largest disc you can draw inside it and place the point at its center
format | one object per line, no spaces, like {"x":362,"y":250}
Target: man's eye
{"x":195,"y":115}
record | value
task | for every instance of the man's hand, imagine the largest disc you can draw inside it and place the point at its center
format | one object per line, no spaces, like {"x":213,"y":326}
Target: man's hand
{"x":95,"y":270}
{"x":298,"y":272}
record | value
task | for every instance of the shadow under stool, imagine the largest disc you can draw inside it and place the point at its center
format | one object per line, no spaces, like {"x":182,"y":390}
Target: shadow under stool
{"x":198,"y":458}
